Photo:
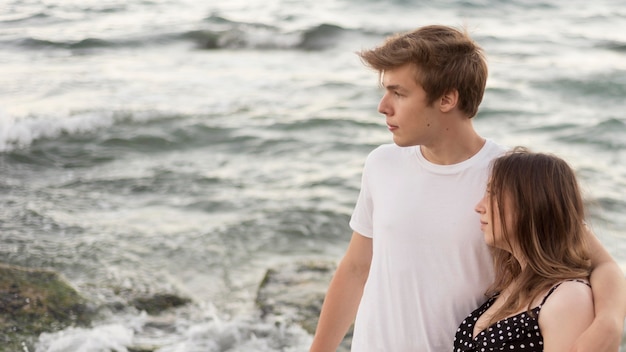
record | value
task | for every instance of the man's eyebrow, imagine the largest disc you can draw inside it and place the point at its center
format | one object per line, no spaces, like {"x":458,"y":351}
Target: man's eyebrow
{"x":393,"y":87}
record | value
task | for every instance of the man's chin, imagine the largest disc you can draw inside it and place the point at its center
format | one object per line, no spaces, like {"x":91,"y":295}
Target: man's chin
{"x":401,"y":143}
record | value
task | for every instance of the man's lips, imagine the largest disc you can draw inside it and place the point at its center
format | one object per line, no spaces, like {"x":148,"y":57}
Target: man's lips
{"x":391,"y":127}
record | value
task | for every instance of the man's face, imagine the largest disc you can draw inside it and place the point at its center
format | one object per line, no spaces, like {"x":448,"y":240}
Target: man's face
{"x":409,"y":118}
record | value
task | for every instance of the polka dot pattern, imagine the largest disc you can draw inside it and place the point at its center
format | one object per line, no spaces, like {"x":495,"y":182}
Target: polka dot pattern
{"x":517,"y":333}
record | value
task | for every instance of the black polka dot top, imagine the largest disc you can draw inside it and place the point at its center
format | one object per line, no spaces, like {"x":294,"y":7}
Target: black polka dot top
{"x":517,"y":333}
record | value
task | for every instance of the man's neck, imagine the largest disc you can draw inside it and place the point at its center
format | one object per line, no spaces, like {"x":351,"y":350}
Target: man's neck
{"x":450,"y":151}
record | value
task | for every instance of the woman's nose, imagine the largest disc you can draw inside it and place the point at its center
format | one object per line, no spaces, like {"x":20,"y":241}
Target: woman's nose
{"x":480,"y":206}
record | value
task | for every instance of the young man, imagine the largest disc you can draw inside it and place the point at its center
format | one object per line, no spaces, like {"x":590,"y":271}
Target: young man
{"x":417,"y":263}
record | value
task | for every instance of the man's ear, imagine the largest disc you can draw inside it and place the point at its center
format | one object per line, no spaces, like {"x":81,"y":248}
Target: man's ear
{"x":449,"y":101}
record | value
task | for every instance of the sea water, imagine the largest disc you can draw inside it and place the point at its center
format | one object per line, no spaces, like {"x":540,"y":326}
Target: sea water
{"x":188,"y":146}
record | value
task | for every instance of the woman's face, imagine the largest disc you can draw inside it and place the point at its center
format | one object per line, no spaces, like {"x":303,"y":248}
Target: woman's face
{"x":491,"y":226}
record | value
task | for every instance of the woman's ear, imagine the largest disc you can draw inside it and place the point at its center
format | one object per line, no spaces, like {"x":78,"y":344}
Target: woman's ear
{"x":449,"y":101}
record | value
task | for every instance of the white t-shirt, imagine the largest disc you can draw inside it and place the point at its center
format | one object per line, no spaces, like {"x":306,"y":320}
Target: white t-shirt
{"x":430,"y":266}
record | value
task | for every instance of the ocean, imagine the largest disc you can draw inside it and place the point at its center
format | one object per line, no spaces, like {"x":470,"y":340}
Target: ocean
{"x":183,"y":145}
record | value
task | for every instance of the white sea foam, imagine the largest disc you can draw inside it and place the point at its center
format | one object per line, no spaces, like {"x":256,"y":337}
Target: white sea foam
{"x":22,"y":132}
{"x":241,"y":335}
{"x":106,"y":338}
{"x":172,"y":334}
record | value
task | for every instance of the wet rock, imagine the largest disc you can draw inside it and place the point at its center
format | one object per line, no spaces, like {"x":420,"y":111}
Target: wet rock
{"x":33,"y":301}
{"x":142,"y":348}
{"x":158,"y":303}
{"x":295,"y":293}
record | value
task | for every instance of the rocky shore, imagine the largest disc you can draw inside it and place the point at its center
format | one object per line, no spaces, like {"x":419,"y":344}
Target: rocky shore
{"x":33,"y":301}
{"x":295,"y":293}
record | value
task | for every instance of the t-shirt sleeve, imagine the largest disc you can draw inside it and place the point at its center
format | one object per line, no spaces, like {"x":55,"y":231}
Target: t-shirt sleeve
{"x":361,"y":220}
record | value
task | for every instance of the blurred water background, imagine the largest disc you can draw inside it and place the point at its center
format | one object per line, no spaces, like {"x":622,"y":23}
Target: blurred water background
{"x":153,"y":145}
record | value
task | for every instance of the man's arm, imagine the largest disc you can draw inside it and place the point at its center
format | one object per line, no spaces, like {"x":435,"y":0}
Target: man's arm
{"x":344,"y":294}
{"x":609,"y":295}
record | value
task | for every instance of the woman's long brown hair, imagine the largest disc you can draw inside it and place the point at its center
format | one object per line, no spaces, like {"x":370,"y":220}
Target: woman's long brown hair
{"x":548,"y":226}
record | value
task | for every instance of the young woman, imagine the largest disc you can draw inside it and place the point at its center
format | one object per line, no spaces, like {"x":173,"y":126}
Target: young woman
{"x":532,"y":217}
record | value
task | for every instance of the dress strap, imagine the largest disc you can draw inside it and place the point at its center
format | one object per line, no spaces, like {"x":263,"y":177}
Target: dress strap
{"x":557,"y":285}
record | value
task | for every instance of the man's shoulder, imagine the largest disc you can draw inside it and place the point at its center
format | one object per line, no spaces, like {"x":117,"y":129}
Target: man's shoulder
{"x":494,"y":150}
